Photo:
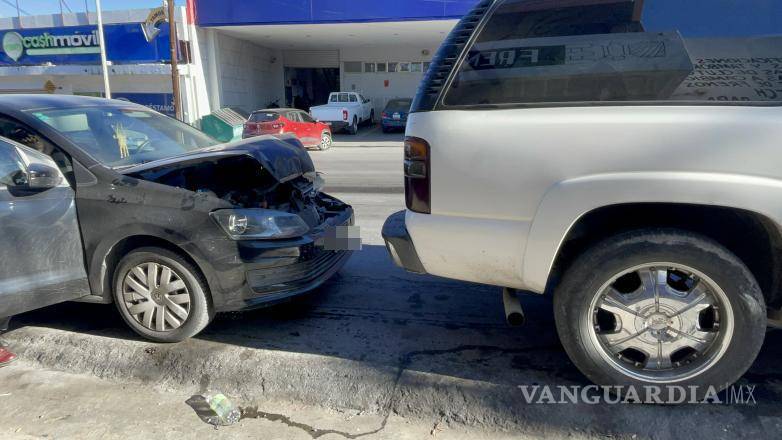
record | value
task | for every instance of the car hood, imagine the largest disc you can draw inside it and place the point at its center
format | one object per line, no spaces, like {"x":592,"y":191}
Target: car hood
{"x":284,"y":157}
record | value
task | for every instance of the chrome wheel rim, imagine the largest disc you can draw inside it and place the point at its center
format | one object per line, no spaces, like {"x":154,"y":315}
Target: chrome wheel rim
{"x":325,"y":140}
{"x":660,"y":322}
{"x":156,"y":297}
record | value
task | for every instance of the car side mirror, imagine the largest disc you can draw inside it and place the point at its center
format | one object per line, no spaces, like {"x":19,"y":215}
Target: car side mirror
{"x":41,"y":177}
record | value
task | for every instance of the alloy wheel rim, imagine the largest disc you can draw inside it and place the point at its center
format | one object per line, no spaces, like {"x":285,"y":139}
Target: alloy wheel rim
{"x":156,"y":296}
{"x":325,"y":140}
{"x":660,"y":322}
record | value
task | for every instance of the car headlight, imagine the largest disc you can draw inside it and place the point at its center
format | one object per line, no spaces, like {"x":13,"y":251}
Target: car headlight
{"x":250,"y":224}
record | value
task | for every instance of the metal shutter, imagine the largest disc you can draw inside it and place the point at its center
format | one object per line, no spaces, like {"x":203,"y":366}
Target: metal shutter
{"x":311,"y":58}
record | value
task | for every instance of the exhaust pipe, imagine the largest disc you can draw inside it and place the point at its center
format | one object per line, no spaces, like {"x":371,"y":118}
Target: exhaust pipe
{"x":513,"y":311}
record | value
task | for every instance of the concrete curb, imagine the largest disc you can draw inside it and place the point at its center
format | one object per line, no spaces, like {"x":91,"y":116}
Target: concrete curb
{"x":253,"y":376}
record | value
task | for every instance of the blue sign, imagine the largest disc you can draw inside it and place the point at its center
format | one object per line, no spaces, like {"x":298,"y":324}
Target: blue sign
{"x":127,"y":43}
{"x":159,"y":102}
{"x":242,"y":12}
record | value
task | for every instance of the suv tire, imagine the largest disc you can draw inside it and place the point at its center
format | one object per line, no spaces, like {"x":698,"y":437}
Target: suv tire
{"x":683,"y":269}
{"x":175,"y":309}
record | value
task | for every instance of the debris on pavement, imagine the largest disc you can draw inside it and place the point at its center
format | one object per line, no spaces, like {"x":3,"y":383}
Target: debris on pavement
{"x":215,"y":409}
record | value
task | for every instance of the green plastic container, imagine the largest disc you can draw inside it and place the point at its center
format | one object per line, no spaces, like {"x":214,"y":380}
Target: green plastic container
{"x":226,"y":124}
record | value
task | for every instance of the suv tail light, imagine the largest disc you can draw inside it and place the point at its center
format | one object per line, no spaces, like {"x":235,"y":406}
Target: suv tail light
{"x":417,"y":169}
{"x":344,"y":115}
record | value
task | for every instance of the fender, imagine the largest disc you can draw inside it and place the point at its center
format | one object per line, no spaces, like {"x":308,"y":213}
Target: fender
{"x":567,"y":201}
{"x":97,"y":269}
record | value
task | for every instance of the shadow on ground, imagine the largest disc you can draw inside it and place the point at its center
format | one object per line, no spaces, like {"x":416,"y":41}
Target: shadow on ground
{"x":431,"y":347}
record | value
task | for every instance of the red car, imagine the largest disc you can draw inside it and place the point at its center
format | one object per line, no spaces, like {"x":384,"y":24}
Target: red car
{"x":310,"y":132}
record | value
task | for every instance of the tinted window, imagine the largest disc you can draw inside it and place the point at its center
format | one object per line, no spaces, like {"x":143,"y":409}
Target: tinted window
{"x":305,"y":117}
{"x":264,"y":116}
{"x":399,"y":105}
{"x":11,"y":166}
{"x":352,"y":98}
{"x":539,"y":51}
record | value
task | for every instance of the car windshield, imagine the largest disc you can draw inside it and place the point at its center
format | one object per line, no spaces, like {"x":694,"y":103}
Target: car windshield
{"x":399,"y":105}
{"x":124,"y":136}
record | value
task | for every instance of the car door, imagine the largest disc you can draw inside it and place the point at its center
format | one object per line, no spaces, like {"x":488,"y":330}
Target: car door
{"x":309,"y":128}
{"x":40,"y":243}
{"x":294,"y":123}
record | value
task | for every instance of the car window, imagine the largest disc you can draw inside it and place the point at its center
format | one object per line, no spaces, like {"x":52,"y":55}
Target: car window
{"x":293,"y":116}
{"x":399,"y":105}
{"x":264,"y":116}
{"x":658,"y":50}
{"x":123,"y":136}
{"x":11,"y":166}
{"x":16,"y":131}
{"x":341,"y":97}
{"x":305,"y":117}
{"x":353,"y":98}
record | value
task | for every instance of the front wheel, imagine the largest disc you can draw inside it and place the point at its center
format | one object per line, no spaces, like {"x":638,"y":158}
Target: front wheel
{"x":660,"y":307}
{"x":161,"y":296}
{"x":325,"y":141}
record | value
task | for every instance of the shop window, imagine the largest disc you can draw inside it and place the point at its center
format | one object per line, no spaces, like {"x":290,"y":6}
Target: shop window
{"x":404,"y":67}
{"x":369,"y":67}
{"x":416,"y":67}
{"x":393,"y":67}
{"x":381,"y":67}
{"x":352,"y":66}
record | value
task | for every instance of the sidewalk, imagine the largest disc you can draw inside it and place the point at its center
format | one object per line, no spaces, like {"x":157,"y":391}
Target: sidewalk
{"x":38,"y":403}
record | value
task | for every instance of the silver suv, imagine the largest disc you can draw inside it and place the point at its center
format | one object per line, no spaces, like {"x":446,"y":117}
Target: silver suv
{"x":622,"y":156}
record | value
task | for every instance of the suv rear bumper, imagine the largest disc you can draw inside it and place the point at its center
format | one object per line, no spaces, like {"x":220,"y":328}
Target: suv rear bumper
{"x":400,"y":245}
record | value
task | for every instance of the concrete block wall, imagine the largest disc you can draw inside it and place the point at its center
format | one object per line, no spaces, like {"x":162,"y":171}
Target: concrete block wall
{"x":250,"y":76}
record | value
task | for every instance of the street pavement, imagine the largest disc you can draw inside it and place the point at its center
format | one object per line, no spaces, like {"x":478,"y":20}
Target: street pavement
{"x":396,"y":348}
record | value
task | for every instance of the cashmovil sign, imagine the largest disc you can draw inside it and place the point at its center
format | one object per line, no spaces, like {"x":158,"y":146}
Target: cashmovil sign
{"x":15,"y":45}
{"x":125,"y":43}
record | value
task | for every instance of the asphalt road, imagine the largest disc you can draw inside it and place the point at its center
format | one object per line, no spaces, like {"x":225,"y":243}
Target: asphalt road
{"x":378,"y":340}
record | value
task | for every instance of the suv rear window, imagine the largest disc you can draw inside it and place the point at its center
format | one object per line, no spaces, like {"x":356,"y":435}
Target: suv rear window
{"x":587,"y":51}
{"x":264,"y":116}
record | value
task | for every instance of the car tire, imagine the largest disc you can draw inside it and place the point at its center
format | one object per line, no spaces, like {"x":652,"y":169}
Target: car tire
{"x":371,"y":120}
{"x":325,"y":140}
{"x":595,"y":328}
{"x":177,"y":309}
{"x":353,"y":128}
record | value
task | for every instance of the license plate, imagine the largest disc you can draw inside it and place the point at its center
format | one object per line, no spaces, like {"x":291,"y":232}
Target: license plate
{"x":396,"y":116}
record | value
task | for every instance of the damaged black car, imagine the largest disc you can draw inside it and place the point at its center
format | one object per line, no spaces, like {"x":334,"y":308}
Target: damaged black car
{"x":174,"y":225}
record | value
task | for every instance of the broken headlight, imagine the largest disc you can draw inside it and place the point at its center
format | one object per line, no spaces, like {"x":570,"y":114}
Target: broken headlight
{"x":253,"y":224}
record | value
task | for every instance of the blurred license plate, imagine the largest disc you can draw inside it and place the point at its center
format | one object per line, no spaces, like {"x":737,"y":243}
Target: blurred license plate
{"x":396,"y":116}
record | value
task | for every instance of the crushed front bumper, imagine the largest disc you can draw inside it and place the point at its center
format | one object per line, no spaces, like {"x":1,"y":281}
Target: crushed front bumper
{"x":270,"y":271}
{"x":400,"y":245}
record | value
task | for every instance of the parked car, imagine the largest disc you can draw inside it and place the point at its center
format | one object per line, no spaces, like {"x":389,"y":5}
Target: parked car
{"x":310,"y":132}
{"x":344,"y":110}
{"x":583,"y":151}
{"x":172,"y":226}
{"x":395,"y":113}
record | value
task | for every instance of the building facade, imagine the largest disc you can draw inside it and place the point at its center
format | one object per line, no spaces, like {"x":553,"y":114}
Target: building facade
{"x":233,"y":53}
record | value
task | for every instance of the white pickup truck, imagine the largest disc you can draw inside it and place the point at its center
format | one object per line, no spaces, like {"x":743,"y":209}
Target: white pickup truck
{"x":345,"y":110}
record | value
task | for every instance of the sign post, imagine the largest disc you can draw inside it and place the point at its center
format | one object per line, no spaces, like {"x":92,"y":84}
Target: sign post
{"x":172,"y":38}
{"x":102,"y":42}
